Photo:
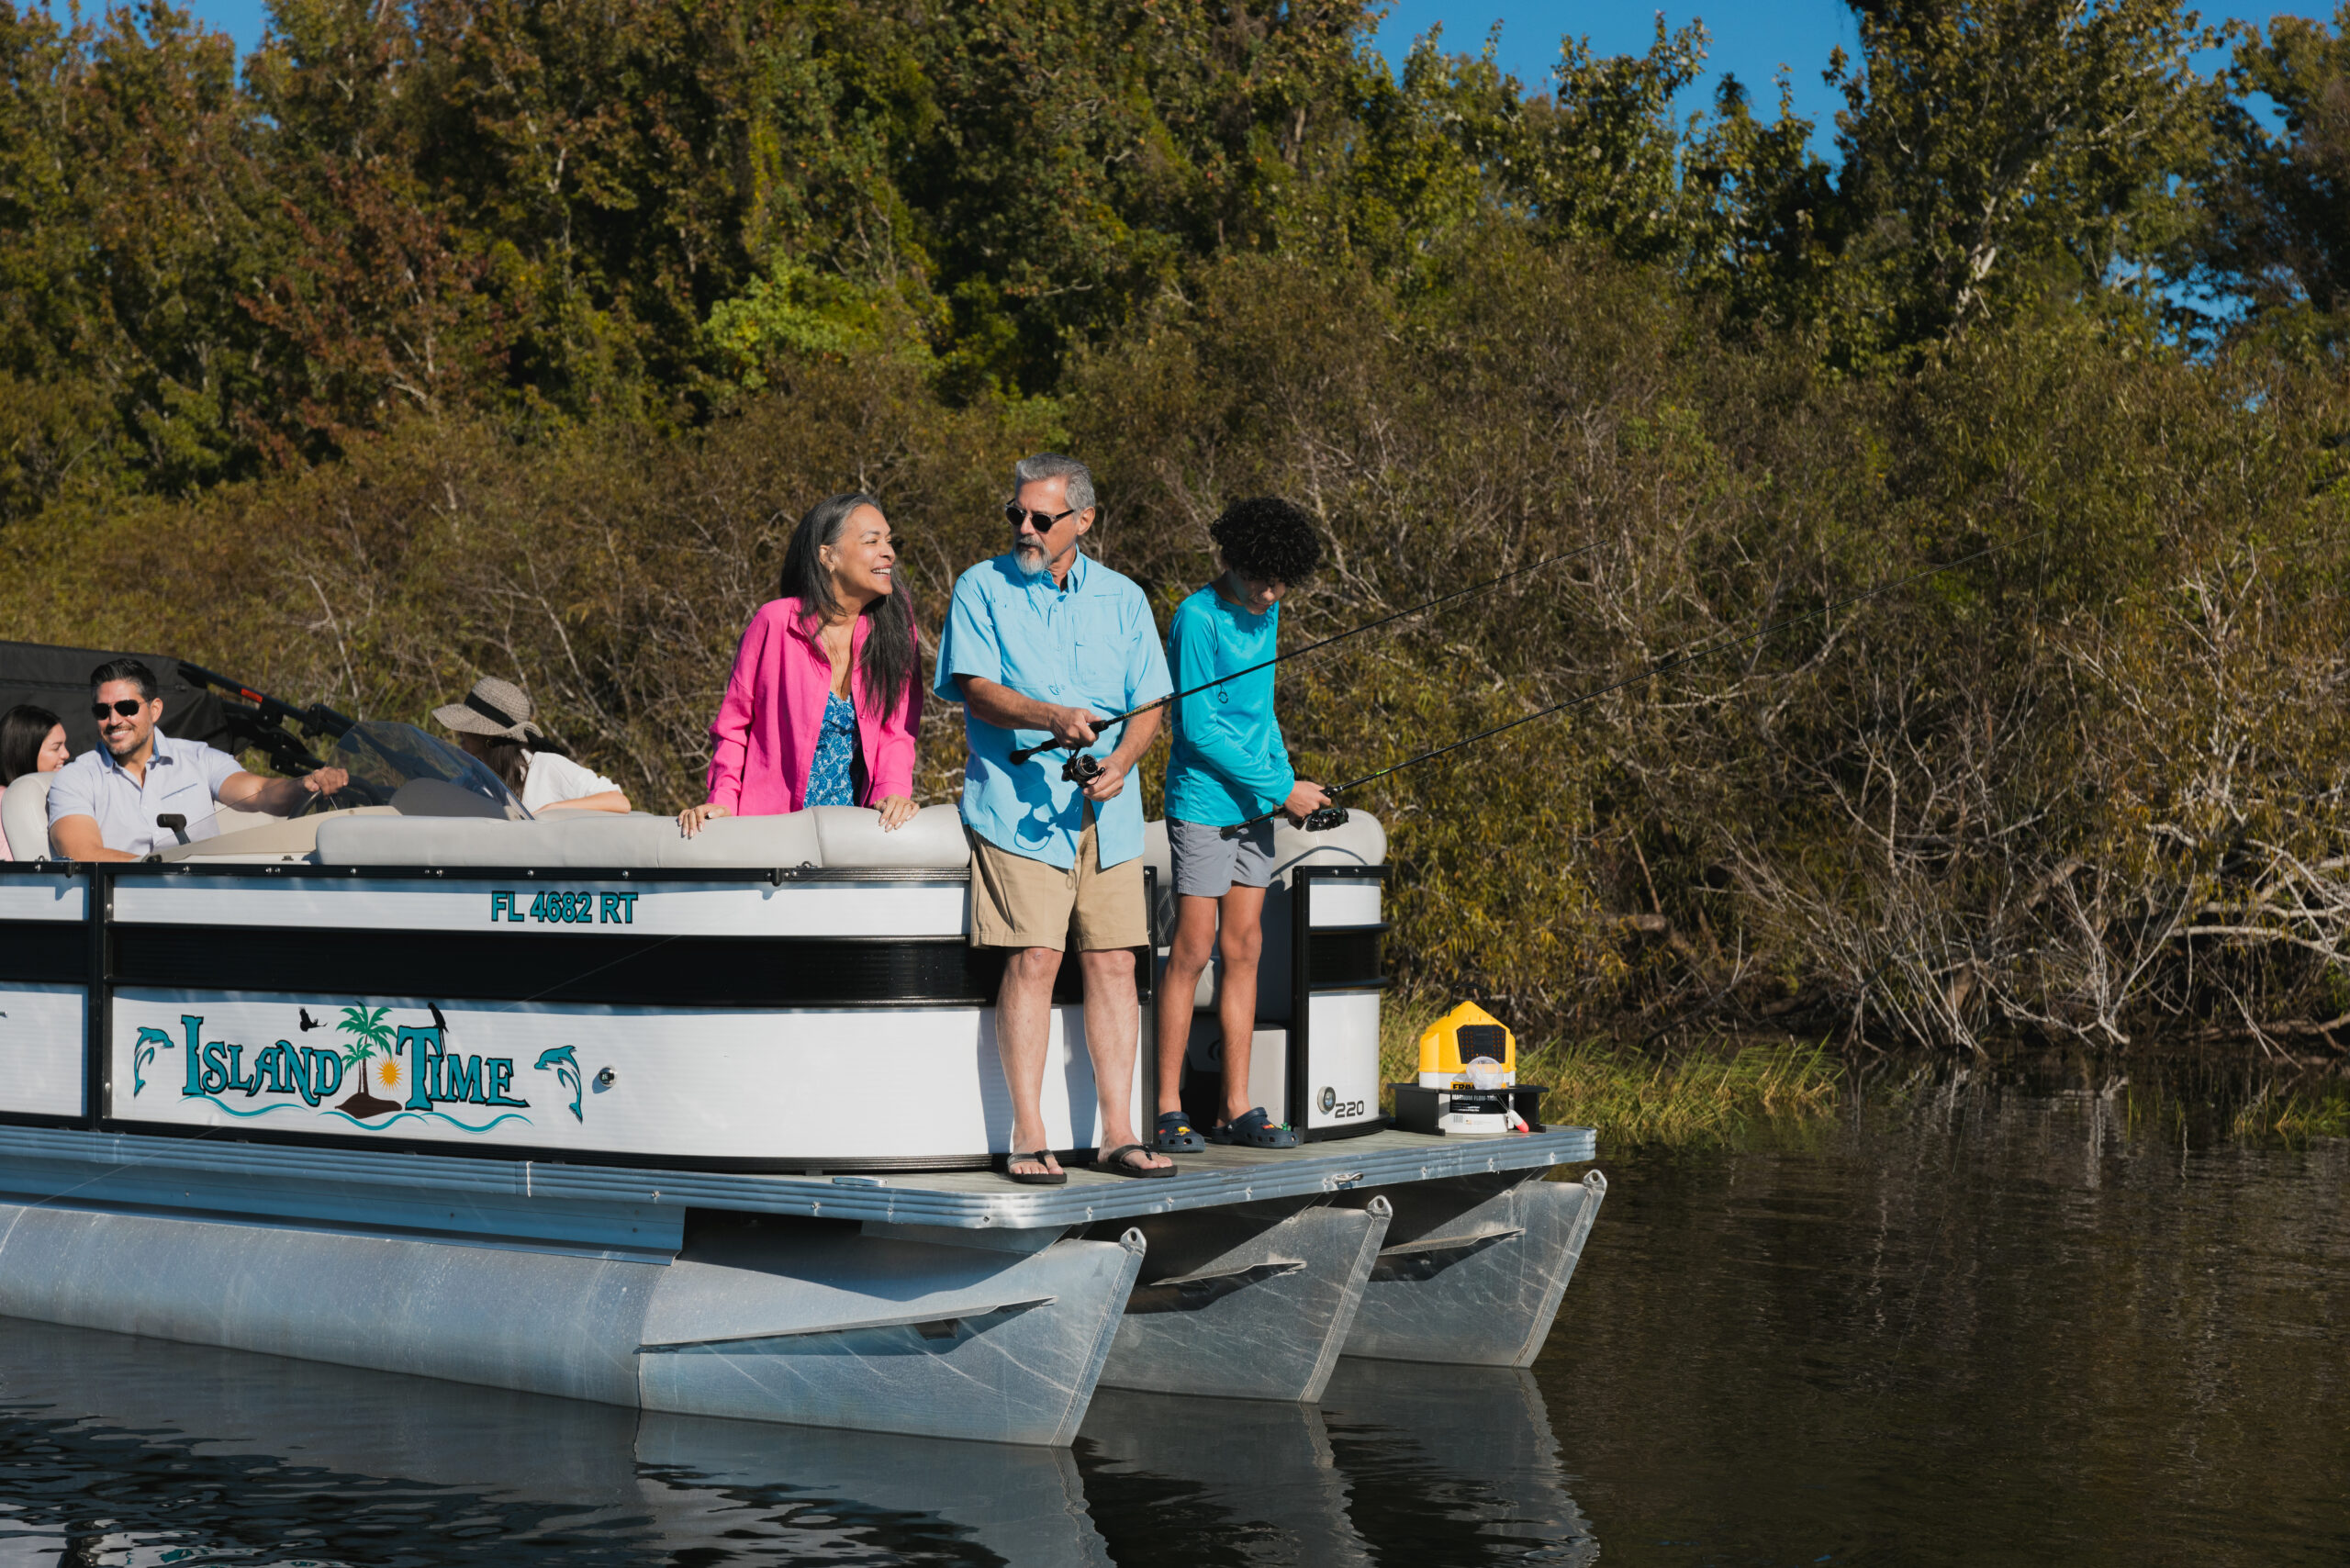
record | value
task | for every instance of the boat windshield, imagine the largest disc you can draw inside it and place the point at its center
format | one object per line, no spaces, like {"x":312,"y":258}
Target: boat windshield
{"x":415,"y":774}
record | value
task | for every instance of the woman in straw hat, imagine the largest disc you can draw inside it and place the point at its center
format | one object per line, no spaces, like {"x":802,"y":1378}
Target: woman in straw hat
{"x":494,"y":723}
{"x":826,"y":693}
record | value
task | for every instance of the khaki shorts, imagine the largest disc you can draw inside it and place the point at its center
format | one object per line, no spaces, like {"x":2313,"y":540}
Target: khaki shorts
{"x":1019,"y":903}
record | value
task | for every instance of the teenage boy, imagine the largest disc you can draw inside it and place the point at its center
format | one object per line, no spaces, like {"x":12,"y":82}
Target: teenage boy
{"x":1229,"y":765}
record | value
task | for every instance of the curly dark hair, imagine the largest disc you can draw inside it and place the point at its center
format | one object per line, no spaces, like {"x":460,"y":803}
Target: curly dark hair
{"x":1267,"y":538}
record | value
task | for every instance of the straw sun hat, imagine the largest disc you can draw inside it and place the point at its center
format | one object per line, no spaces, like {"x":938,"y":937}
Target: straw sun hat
{"x":493,"y":707}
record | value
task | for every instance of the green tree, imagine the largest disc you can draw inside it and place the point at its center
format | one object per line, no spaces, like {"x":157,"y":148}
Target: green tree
{"x":2276,"y":240}
{"x":1997,"y":150}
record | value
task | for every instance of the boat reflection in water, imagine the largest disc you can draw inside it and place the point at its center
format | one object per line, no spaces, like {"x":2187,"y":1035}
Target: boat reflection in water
{"x":116,"y":1449}
{"x":1401,"y":1461}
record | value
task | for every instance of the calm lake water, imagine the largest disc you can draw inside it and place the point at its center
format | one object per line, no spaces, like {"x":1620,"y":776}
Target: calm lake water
{"x":1978,"y":1318}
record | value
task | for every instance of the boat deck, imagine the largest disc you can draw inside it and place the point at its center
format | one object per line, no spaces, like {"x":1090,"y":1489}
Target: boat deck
{"x":72,"y":1167}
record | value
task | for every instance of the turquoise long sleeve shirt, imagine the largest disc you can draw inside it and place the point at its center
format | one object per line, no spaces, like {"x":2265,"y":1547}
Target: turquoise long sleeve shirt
{"x":1229,"y":763}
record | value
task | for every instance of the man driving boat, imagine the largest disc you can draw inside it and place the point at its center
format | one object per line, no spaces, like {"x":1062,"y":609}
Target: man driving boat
{"x":103,"y":803}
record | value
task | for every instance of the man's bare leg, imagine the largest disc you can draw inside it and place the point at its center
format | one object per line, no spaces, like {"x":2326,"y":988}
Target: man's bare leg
{"x":1023,"y":1037}
{"x":1187,"y":956}
{"x":1113,"y":1016}
{"x":1242,"y":938}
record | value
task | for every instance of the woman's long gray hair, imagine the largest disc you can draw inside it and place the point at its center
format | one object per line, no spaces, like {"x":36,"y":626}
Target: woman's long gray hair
{"x":890,"y":657}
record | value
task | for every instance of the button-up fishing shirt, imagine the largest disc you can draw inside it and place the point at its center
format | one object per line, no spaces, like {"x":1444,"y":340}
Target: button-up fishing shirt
{"x":1089,"y":643}
{"x":181,"y":776}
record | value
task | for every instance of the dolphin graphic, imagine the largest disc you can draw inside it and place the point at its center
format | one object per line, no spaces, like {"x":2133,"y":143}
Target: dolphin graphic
{"x":142,"y":1051}
{"x":566,"y":1062}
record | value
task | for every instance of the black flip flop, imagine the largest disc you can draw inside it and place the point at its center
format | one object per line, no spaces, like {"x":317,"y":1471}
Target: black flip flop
{"x":1112,"y":1162}
{"x":1036,"y":1179}
{"x":1176,"y":1135}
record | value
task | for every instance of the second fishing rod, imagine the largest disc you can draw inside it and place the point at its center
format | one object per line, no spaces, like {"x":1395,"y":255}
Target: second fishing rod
{"x":1082,"y":768}
{"x":1331,"y":816}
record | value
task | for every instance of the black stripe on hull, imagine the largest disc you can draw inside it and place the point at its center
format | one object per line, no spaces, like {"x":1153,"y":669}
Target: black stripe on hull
{"x":45,"y":951}
{"x":646,"y":971}
{"x":641,"y":971}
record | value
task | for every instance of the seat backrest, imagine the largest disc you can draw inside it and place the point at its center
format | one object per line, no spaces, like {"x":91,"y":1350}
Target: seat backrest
{"x":24,"y":816}
{"x":569,"y":839}
{"x":842,"y":835}
{"x":852,"y":835}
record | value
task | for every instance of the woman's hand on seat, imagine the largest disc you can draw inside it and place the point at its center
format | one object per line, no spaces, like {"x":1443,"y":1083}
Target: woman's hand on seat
{"x":692,"y":817}
{"x":897,"y":810}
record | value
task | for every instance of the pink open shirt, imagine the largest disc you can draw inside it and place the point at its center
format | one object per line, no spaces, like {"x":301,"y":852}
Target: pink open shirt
{"x":767,"y":725}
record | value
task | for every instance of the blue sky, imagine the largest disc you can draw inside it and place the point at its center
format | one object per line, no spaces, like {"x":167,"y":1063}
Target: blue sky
{"x":1751,"y":38}
{"x":1751,"y":41}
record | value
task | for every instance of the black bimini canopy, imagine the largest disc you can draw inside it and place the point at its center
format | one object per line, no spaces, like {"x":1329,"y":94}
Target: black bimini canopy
{"x":59,"y":679}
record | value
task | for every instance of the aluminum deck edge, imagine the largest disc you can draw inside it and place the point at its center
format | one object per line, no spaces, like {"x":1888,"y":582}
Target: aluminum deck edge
{"x":38,"y":1165}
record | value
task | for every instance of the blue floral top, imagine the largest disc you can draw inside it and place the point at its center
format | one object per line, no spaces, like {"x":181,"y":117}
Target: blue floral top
{"x":832,"y":778}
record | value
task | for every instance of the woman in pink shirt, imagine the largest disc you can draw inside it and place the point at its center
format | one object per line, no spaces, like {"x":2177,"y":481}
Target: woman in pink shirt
{"x":826,"y":693}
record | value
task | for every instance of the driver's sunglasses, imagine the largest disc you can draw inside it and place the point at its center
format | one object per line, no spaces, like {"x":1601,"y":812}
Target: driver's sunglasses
{"x":1041,"y":521}
{"x":129,"y":707}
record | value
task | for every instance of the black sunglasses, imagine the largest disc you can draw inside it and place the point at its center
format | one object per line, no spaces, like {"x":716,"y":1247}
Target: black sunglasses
{"x":1043,"y":521}
{"x":127,"y":707}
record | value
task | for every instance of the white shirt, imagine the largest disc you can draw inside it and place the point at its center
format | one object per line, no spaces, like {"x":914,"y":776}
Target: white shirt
{"x":552,"y":778}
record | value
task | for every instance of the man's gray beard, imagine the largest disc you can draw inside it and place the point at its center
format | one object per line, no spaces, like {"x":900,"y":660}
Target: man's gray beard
{"x":1033,"y":564}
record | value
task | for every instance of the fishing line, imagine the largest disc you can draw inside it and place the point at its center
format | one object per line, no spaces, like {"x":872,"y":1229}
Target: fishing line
{"x":1075,"y":770}
{"x":1332,"y":815}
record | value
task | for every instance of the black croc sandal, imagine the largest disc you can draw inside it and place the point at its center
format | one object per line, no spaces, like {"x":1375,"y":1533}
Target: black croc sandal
{"x":1039,"y":1177}
{"x":1114,"y":1163}
{"x":1253,"y":1130}
{"x":1177,"y":1135}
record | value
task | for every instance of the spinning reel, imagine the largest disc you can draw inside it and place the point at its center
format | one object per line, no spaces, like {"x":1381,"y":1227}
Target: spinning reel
{"x":1321,"y":821}
{"x":1081,"y":768}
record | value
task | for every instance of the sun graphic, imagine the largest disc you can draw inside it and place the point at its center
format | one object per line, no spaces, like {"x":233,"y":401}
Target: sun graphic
{"x":387,"y":1073}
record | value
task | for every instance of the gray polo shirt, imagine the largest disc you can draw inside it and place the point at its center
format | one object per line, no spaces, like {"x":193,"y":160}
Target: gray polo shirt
{"x":182,"y":777}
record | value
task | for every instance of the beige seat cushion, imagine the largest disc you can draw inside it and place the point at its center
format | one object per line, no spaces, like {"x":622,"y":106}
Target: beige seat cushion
{"x":828,"y":836}
{"x":24,"y":816}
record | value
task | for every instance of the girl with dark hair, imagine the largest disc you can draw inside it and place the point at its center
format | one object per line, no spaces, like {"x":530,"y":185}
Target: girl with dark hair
{"x":826,"y":693}
{"x":32,"y":740}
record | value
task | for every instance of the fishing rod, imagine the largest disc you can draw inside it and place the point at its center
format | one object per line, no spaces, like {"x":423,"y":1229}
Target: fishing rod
{"x":1330,"y":816}
{"x":1077,"y":771}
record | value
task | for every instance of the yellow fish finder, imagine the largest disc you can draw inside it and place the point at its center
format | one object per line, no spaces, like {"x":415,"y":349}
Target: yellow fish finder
{"x":1465,"y":1035}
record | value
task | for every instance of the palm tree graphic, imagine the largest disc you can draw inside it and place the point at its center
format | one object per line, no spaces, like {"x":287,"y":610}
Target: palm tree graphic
{"x":369,"y":1034}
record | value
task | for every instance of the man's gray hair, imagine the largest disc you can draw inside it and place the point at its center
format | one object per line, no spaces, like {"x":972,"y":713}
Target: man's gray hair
{"x":1053,"y":465}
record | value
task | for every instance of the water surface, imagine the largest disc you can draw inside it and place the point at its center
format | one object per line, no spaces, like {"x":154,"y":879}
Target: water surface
{"x":1977,"y":1319}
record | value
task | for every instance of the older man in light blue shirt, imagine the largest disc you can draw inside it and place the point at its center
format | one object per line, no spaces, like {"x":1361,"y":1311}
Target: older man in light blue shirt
{"x":1039,"y":645}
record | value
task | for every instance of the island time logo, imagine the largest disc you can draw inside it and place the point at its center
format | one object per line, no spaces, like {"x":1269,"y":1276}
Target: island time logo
{"x":380,"y":1075}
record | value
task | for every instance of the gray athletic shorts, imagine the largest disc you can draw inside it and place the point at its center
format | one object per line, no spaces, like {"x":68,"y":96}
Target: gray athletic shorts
{"x":1208,"y":865}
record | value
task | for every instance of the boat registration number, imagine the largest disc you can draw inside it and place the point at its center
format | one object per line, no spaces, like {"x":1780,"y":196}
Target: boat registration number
{"x":550,"y":906}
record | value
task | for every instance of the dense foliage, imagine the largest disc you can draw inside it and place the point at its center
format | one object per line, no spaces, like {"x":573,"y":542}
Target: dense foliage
{"x":510,"y":335}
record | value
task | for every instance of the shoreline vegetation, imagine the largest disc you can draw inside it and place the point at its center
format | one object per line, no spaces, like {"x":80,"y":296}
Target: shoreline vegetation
{"x":488,"y":336}
{"x":1711,"y":1095}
